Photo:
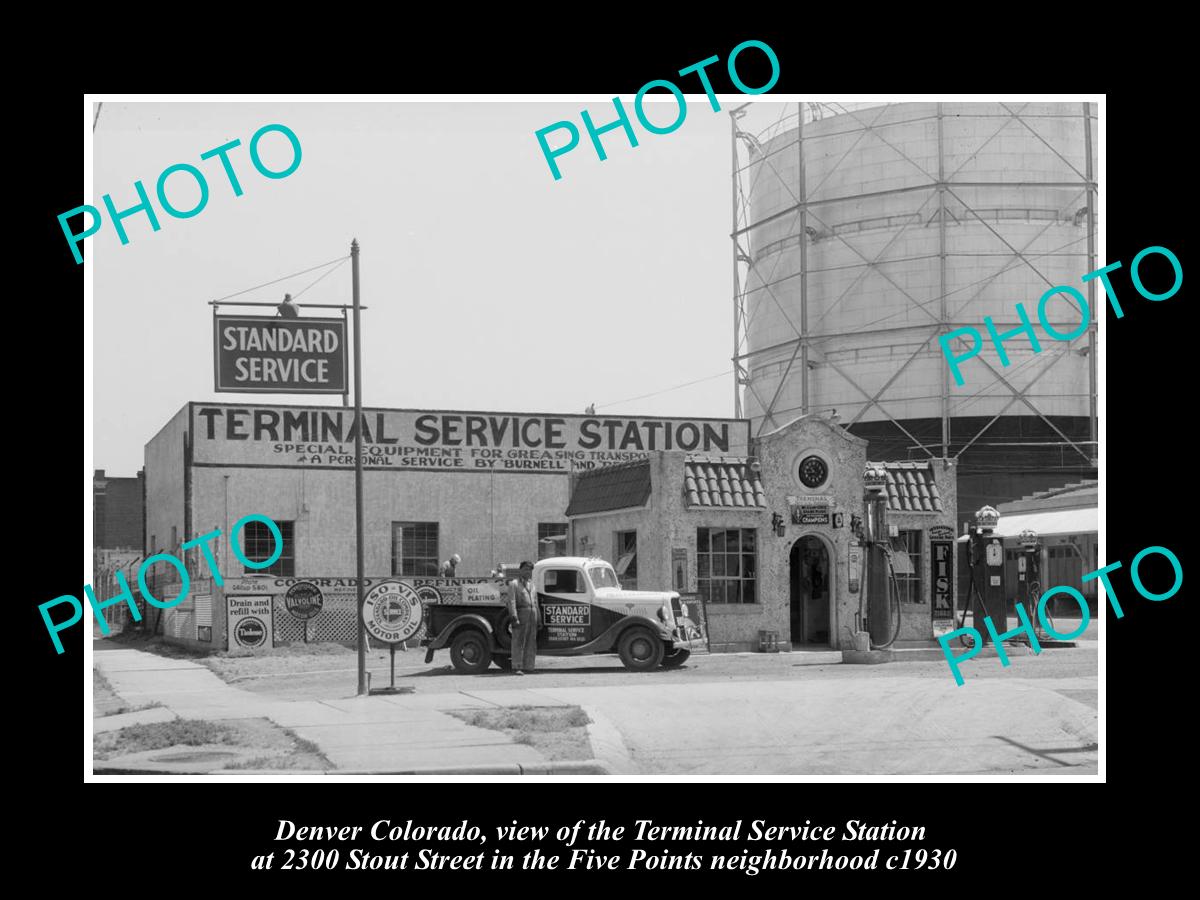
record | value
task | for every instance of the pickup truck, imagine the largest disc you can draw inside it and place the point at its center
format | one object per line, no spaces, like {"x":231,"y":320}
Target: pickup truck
{"x":583,"y":610}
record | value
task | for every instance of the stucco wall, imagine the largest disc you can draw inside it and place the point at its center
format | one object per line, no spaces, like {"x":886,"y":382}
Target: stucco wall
{"x":916,"y":619}
{"x":486,"y":518}
{"x":780,"y":454}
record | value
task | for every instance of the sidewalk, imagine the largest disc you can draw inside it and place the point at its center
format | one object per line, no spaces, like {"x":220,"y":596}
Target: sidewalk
{"x":378,"y":734}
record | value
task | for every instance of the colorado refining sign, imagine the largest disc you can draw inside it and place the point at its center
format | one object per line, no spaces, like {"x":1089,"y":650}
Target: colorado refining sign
{"x":407,"y":440}
{"x":264,"y":355}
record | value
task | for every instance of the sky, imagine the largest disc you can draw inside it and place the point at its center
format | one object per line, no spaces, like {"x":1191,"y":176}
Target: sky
{"x":489,"y":285}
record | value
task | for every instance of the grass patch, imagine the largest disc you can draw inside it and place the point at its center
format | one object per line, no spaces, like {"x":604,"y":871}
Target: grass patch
{"x":232,"y":666}
{"x":304,"y":754}
{"x":107,"y":702}
{"x":292,"y":659}
{"x":260,"y":743}
{"x":557,"y":732}
{"x":154,"y":643}
{"x":160,"y":736}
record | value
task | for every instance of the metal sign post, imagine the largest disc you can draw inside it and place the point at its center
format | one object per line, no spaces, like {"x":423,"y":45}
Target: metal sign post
{"x":392,"y":612}
{"x":358,"y":476}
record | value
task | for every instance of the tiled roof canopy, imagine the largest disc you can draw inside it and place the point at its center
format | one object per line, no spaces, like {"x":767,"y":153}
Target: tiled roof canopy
{"x":619,"y":486}
{"x":911,"y":487}
{"x":723,"y":482}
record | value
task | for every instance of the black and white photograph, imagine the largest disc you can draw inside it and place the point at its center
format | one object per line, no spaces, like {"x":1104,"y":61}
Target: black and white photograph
{"x":686,"y":434}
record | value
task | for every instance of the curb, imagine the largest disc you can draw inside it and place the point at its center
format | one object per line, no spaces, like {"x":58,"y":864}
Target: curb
{"x":608,"y":746}
{"x":587,"y":767}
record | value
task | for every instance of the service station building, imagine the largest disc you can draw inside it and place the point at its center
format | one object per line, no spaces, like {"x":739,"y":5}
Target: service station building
{"x":761,"y":528}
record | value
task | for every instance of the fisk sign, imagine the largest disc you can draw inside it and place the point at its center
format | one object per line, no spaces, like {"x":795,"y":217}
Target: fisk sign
{"x":263,"y":355}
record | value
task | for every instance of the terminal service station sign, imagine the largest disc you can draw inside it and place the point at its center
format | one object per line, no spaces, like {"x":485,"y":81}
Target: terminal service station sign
{"x":404,"y":440}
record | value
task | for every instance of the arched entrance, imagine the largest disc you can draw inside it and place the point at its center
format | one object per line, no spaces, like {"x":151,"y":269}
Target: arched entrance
{"x":811,"y":584}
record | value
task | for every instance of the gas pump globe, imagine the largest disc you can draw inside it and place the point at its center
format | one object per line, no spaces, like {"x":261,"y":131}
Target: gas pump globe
{"x":987,"y":519}
{"x":875,"y":502}
{"x":1028,"y":539}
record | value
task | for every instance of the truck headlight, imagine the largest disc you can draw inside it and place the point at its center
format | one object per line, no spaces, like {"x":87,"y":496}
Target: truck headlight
{"x":664,"y":612}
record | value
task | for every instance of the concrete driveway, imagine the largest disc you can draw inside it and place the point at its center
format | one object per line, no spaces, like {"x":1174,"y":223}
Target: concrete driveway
{"x":893,"y":726}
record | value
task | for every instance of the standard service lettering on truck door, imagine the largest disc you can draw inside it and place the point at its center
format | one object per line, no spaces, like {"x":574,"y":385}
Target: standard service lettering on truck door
{"x":566,"y":609}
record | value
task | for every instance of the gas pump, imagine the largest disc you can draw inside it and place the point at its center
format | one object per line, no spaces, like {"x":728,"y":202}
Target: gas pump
{"x":1029,"y":576}
{"x":985,"y":558}
{"x":880,"y":595}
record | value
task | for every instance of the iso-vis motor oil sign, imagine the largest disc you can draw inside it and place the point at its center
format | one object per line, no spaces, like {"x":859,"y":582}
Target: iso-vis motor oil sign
{"x":263,"y":355}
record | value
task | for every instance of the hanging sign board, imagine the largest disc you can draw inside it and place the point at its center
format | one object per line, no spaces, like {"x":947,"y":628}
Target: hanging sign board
{"x":265,"y":355}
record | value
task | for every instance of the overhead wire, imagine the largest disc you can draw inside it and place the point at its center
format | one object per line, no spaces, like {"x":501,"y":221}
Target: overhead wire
{"x":284,"y":278}
{"x":665,"y":390}
{"x":344,"y":260}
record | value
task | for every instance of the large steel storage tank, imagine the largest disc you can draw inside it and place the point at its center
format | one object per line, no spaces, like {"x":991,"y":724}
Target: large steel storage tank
{"x":873,"y":231}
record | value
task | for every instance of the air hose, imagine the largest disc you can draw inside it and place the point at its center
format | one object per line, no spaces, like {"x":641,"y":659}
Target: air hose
{"x":893,"y":594}
{"x":974,"y":590}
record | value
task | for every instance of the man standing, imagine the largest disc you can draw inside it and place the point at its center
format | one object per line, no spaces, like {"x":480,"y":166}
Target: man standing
{"x":450,"y":565}
{"x":522,"y":606}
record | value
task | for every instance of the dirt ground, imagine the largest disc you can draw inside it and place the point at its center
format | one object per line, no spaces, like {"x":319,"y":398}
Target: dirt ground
{"x":329,"y":671}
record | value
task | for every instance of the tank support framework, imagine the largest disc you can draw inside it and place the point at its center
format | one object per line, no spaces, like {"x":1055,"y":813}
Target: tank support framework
{"x":806,"y":344}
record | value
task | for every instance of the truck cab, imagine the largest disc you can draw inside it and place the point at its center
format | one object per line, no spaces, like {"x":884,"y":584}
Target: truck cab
{"x":582,"y":609}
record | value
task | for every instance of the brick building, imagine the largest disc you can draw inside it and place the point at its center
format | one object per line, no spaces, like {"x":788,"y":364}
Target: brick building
{"x":492,"y":487}
{"x":117,"y":512}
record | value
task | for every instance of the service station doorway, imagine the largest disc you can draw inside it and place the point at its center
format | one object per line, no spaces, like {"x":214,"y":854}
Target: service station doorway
{"x":811,"y":587}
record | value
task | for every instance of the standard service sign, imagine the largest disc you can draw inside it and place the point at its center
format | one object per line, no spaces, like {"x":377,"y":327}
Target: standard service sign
{"x":264,"y":355}
{"x":392,"y":612}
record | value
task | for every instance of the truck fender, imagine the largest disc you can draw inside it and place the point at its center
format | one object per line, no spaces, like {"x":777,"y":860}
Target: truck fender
{"x":611,"y":636}
{"x":456,"y":624}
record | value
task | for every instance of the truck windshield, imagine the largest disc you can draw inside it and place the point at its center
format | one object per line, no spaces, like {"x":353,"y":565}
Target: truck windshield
{"x":602,"y":577}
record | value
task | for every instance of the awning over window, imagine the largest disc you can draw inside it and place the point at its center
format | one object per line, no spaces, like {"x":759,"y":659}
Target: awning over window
{"x":901,"y":561}
{"x":624,"y":562}
{"x":621,"y":486}
{"x":1052,"y":523}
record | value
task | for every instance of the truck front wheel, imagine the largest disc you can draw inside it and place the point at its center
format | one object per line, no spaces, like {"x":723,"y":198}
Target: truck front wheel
{"x":471,"y":653}
{"x":640,"y":649}
{"x":676,"y":659}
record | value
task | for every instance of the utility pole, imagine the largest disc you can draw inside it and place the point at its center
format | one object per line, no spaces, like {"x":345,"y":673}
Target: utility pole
{"x":358,"y":477}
